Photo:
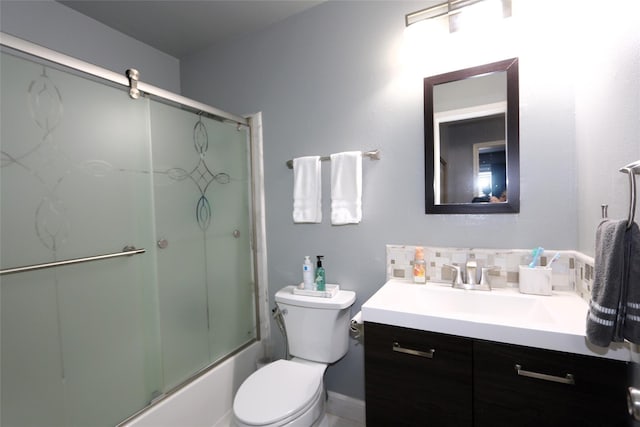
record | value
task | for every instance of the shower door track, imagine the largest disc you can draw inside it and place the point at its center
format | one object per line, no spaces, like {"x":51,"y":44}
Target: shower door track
{"x":68,"y":61}
{"x":126,"y":251}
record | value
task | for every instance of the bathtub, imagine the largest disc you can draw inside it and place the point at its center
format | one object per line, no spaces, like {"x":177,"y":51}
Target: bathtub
{"x":208,"y":400}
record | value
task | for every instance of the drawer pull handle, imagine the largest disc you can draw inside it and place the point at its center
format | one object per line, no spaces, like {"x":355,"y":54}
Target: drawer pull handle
{"x":428,"y":354}
{"x":567,"y":379}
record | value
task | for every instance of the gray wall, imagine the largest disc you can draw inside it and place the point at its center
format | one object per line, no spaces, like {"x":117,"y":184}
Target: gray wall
{"x":607,"y":119}
{"x":342,"y":76}
{"x":57,"y":27}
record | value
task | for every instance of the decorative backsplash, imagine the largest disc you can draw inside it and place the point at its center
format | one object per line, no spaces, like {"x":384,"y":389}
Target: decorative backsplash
{"x":573,"y":271}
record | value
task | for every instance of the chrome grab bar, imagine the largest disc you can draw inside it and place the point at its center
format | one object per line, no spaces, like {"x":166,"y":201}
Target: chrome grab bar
{"x":428,"y":354}
{"x":126,"y":251}
{"x":567,"y":379}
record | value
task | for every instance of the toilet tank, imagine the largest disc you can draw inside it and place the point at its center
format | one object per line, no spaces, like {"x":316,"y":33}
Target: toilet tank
{"x":317,"y":328}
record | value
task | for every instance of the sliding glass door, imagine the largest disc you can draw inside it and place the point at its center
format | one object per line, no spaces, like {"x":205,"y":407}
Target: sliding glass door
{"x":86,"y":171}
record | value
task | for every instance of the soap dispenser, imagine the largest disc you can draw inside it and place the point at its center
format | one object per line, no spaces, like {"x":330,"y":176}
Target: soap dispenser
{"x":307,"y":274}
{"x":320,"y":275}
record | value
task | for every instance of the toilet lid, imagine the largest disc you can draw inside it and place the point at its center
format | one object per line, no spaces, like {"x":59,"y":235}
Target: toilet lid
{"x":277,"y":391}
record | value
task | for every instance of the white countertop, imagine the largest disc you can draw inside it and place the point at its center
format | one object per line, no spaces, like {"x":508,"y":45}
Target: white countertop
{"x":555,"y":322}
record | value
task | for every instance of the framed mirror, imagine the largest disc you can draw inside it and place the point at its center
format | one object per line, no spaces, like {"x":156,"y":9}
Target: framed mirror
{"x":471,"y":130}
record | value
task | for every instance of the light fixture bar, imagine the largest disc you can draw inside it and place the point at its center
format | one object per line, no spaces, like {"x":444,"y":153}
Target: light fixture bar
{"x":428,"y":13}
{"x":455,"y":5}
{"x":450,"y":8}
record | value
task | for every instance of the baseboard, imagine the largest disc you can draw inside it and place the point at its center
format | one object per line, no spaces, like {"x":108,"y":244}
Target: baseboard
{"x":346,"y":407}
{"x":225,"y":421}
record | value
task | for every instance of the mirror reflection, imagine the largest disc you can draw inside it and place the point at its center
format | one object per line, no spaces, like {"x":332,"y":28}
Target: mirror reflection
{"x":471,"y":140}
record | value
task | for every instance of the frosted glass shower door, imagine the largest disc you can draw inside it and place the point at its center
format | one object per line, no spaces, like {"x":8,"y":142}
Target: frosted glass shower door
{"x":80,"y":342}
{"x":84,"y":171}
{"x":203,"y":227}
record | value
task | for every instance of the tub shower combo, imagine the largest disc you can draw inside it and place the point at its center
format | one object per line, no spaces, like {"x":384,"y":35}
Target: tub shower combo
{"x":127,"y":240}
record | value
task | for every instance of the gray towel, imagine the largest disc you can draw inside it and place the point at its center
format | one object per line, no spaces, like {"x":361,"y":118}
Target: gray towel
{"x":604,"y":319}
{"x":632,"y":265}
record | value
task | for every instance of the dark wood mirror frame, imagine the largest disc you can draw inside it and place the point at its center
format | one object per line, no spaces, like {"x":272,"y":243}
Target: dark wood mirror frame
{"x":512,"y":205}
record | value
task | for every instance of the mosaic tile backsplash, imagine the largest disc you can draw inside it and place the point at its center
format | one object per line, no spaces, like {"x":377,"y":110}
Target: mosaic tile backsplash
{"x":573,"y":271}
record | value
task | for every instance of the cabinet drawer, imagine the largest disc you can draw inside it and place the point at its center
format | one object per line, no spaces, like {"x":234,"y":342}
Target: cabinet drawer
{"x":417,"y":378}
{"x":546,"y":388}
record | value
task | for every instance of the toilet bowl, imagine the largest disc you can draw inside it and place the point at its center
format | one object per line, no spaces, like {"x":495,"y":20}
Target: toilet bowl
{"x":291,"y":393}
{"x":284,"y":393}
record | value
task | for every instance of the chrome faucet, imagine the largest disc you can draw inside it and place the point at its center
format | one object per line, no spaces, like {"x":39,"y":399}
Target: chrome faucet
{"x":471,"y":275}
{"x":472,"y":268}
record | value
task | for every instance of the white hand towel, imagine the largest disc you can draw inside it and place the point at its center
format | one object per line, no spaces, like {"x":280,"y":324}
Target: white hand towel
{"x":346,"y":188}
{"x":307,"y":190}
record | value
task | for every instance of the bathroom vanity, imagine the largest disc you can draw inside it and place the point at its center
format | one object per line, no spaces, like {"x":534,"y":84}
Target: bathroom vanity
{"x":438,"y":356}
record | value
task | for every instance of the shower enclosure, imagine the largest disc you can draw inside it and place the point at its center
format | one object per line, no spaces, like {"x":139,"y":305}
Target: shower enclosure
{"x":127,"y":244}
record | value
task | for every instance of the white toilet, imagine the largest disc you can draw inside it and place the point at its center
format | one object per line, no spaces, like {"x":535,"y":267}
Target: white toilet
{"x":291,"y":392}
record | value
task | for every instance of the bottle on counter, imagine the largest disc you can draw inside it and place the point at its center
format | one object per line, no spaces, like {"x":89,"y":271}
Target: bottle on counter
{"x":320,"y":275}
{"x":308,"y":275}
{"x":419,"y":266}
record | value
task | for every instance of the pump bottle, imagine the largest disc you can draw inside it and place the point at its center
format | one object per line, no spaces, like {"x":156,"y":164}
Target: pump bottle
{"x":307,"y":273}
{"x":320,"y":275}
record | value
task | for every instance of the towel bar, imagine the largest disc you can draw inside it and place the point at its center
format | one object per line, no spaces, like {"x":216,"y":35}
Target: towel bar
{"x":373,"y":155}
{"x":632,"y":169}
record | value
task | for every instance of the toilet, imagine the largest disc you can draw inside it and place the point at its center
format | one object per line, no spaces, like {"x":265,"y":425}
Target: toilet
{"x":291,"y":392}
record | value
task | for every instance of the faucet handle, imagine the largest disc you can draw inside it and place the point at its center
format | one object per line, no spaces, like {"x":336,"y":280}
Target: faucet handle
{"x":484,"y":276}
{"x":457,"y":280}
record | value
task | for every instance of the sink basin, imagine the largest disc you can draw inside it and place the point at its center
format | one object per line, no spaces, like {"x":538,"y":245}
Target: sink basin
{"x":473,"y":304}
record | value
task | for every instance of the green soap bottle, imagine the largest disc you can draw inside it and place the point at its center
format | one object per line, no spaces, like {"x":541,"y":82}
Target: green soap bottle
{"x":320,"y":277}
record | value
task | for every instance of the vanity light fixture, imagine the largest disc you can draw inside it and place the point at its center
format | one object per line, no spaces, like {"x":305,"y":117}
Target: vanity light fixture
{"x":461,"y":13}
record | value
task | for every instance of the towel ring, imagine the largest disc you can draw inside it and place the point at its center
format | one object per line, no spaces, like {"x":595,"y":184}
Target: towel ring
{"x":632,"y":169}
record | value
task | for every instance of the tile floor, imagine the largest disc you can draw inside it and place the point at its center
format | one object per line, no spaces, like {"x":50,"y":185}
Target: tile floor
{"x":335,"y":421}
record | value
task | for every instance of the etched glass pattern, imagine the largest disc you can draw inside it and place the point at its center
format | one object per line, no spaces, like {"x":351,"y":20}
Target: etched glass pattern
{"x":85,"y":170}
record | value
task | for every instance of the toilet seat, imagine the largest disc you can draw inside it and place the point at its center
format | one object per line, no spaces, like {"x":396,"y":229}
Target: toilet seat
{"x":278,"y":393}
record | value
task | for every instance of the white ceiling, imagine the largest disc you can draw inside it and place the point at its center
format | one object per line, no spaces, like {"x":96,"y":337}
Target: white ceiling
{"x":181,"y":27}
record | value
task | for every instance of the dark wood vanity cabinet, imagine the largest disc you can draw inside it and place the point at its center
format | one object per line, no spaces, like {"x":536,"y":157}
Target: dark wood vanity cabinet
{"x":418,"y":378}
{"x":523,"y":386}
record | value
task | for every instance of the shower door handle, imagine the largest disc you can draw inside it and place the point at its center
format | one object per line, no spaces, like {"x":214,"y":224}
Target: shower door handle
{"x":126,"y":251}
